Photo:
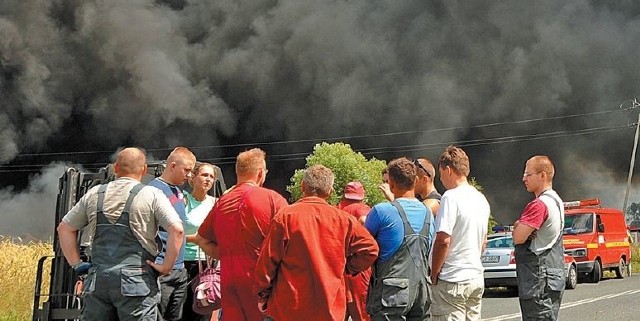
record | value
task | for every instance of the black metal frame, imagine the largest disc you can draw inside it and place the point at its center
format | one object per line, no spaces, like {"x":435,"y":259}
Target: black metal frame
{"x":63,"y":303}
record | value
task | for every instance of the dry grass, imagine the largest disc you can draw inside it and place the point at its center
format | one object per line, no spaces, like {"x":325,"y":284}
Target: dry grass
{"x":18,"y":265}
{"x":635,"y":258}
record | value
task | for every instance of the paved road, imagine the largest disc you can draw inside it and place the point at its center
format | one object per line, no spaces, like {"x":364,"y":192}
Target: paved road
{"x":611,"y":299}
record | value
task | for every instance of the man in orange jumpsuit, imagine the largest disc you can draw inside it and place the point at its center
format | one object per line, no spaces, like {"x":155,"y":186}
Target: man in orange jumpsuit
{"x":234,"y":230}
{"x":309,"y":247}
{"x":356,"y":285}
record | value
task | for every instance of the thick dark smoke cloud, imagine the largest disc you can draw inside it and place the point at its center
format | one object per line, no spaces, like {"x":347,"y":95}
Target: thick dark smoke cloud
{"x":89,"y":75}
{"x":25,"y":213}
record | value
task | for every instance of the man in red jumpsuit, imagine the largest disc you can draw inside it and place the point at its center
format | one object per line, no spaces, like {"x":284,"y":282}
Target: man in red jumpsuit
{"x":356,"y":285}
{"x":309,"y":247}
{"x":234,"y":230}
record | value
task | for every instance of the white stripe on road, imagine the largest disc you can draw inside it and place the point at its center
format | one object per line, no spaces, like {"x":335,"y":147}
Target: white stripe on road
{"x":567,"y":305}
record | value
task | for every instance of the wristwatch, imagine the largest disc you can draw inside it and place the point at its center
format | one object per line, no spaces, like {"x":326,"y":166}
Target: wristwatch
{"x":75,"y":266}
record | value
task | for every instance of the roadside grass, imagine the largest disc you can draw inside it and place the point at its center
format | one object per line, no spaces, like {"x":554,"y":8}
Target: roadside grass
{"x":18,"y":265}
{"x":635,"y":258}
{"x":635,"y":262}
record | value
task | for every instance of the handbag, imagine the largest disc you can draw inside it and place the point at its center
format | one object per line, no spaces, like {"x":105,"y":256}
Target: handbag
{"x":206,"y":288}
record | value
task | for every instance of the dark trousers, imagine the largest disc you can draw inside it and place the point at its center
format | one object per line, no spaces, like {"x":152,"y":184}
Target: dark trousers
{"x":543,"y":308}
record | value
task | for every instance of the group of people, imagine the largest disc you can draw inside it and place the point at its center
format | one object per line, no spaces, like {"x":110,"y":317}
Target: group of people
{"x":415,"y":257}
{"x":142,"y":255}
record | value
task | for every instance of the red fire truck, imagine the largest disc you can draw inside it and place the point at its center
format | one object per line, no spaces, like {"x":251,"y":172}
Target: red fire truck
{"x":597,"y":238}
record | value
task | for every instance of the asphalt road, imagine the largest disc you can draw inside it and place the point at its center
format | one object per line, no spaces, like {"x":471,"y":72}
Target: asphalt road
{"x":611,"y":299}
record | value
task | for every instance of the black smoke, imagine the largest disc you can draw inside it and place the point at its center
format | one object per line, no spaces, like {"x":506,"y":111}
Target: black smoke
{"x":82,"y":77}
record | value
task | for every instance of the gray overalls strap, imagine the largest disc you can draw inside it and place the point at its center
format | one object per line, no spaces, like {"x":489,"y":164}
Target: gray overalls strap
{"x":121,"y":285}
{"x":541,"y":279}
{"x":398,"y":287}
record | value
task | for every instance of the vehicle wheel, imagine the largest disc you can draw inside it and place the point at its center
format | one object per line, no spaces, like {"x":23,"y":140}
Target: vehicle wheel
{"x":572,"y":278}
{"x":621,"y":269}
{"x":596,"y":274}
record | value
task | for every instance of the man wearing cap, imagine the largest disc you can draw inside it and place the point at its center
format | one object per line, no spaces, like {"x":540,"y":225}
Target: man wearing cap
{"x":352,"y":201}
{"x":356,"y":285}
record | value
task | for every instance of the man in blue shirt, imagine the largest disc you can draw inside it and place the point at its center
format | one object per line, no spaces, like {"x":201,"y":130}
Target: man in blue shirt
{"x":398,"y":289}
{"x":174,"y":286}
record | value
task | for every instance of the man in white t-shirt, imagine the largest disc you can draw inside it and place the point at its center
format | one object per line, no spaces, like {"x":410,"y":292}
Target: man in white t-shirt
{"x":461,"y":232}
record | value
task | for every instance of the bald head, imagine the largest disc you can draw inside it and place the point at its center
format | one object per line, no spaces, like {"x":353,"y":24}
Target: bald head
{"x":131,"y":162}
{"x":542,"y":163}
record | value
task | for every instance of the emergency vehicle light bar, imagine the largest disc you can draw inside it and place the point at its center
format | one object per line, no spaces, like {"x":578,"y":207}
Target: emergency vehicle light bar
{"x":582,"y":203}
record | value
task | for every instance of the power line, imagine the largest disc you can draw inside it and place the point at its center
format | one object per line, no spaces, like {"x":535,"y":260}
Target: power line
{"x":350,"y":137}
{"x":382,"y":149}
{"x":391,"y":149}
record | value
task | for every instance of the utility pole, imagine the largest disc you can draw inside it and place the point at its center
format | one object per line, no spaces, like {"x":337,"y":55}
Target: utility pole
{"x":633,"y":159}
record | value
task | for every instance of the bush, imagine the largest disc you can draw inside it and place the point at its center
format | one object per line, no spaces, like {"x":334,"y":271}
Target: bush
{"x":635,"y":258}
{"x":347,"y":166}
{"x":492,"y":220}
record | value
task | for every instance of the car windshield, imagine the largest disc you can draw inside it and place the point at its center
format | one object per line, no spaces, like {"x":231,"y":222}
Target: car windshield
{"x":579,"y":223}
{"x":500,"y":242}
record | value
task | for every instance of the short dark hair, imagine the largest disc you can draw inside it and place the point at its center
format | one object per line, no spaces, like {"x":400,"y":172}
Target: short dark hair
{"x":456,"y":159}
{"x":403,"y":172}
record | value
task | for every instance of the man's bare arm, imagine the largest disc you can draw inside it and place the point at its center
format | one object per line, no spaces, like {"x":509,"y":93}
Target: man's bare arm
{"x":433,"y":205}
{"x":439,"y":254}
{"x":484,"y":244}
{"x":68,"y":236}
{"x":174,"y":242}
{"x":521,"y":232}
{"x":207,"y":246}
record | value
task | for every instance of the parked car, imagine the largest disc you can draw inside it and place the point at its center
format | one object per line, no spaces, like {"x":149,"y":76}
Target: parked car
{"x":499,"y":264}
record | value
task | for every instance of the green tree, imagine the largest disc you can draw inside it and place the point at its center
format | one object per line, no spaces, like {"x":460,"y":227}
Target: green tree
{"x":492,"y":220}
{"x":633,"y":214}
{"x":347,"y":165}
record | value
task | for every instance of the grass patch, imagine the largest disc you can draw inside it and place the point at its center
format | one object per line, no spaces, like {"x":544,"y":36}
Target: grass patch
{"x":19,"y":263}
{"x":635,"y":258}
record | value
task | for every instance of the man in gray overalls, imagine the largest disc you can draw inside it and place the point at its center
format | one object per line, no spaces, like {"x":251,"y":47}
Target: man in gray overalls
{"x":123,"y":217}
{"x":398,"y":289}
{"x":538,"y":238}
